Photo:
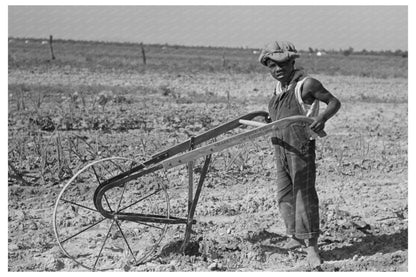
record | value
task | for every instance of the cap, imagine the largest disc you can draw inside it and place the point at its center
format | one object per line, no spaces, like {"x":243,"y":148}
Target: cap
{"x":278,"y":51}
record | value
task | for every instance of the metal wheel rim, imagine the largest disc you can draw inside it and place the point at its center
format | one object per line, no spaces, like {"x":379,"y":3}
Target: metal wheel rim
{"x":69,"y":182}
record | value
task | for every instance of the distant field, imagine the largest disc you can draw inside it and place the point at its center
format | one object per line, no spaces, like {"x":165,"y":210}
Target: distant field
{"x":178,"y":59}
{"x":99,"y":100}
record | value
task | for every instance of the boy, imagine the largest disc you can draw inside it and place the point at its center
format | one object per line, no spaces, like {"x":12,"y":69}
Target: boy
{"x":297,"y":94}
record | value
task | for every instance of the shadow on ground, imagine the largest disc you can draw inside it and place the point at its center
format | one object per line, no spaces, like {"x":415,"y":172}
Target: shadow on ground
{"x":370,"y":245}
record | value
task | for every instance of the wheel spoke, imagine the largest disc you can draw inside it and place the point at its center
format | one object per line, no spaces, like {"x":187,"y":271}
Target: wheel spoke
{"x":108,"y":204}
{"x":121,"y":198}
{"x":141,"y":199}
{"x":125,"y":240}
{"x":83,"y":230}
{"x":110,"y":173}
{"x":79,"y":205}
{"x":102,"y":247}
{"x":96,"y":175}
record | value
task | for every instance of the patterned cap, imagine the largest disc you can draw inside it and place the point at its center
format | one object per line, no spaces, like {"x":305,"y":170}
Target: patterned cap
{"x":279,"y":51}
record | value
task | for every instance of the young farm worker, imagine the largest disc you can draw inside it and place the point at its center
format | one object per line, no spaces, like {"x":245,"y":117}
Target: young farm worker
{"x":297,"y":94}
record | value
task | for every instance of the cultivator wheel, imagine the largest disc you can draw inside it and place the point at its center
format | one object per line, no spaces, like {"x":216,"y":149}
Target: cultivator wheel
{"x":99,"y":243}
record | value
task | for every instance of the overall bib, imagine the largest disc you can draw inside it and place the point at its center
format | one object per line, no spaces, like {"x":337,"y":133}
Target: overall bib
{"x":296,"y":171}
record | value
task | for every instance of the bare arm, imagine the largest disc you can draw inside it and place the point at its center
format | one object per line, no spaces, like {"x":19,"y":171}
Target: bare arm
{"x":312,"y":90}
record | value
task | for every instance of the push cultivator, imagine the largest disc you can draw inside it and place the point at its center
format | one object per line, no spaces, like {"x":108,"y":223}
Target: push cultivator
{"x":100,"y":228}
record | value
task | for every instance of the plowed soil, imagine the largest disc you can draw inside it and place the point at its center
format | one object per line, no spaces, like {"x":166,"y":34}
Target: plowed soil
{"x":58,"y":122}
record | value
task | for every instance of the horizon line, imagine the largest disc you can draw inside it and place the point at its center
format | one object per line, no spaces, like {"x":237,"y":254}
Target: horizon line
{"x":202,"y":46}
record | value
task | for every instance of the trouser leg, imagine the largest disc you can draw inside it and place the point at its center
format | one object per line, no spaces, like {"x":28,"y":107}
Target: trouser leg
{"x":303,"y":174}
{"x":297,"y":197}
{"x":285,"y":192}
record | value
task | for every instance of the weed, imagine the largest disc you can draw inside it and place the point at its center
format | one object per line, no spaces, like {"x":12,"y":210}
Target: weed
{"x":37,"y":98}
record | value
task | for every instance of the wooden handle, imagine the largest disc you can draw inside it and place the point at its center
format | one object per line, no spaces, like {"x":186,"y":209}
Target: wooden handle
{"x":321,"y":134}
{"x":251,"y":123}
{"x":234,"y":140}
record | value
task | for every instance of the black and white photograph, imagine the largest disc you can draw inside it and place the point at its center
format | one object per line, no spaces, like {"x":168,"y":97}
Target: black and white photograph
{"x":214,"y":137}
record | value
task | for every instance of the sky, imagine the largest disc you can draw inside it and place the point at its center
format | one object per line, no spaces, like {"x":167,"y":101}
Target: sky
{"x":323,"y":27}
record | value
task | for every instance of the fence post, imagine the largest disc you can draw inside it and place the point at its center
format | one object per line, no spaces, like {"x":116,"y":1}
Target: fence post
{"x":50,"y":44}
{"x":143,"y":53}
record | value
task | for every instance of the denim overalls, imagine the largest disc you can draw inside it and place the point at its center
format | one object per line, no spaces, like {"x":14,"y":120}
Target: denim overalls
{"x":296,"y":171}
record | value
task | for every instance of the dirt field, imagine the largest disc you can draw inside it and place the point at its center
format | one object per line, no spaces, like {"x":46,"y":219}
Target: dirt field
{"x":68,"y":112}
